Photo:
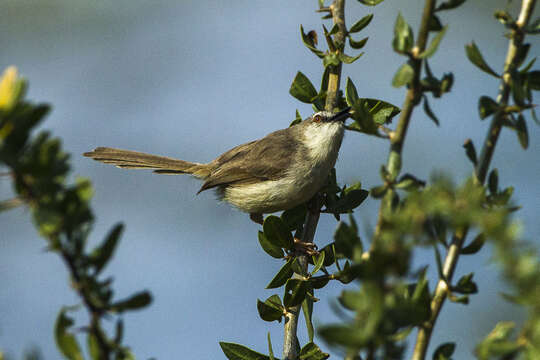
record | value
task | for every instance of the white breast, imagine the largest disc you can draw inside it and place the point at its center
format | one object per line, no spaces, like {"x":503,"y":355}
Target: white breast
{"x":321,"y":143}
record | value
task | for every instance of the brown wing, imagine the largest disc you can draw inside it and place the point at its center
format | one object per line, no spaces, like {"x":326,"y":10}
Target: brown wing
{"x":264,"y":159}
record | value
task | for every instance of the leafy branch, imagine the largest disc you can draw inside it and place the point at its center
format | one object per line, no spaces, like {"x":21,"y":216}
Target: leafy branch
{"x":510,"y":82}
{"x":408,"y":74}
{"x":39,"y":167}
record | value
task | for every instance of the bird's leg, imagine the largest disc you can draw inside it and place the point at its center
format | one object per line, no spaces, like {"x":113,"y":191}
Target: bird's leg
{"x":255,"y":217}
{"x":307,"y":248}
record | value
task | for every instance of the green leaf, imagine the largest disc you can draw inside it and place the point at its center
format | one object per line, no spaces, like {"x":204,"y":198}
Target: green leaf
{"x":487,"y":106}
{"x":378,"y":192}
{"x":295,"y":292}
{"x":119,"y":331}
{"x":134,"y":302}
{"x":271,"y":249}
{"x":381,"y":111}
{"x":429,"y":112}
{"x":346,"y":240}
{"x":324,"y":80}
{"x":450,"y":4}
{"x":270,"y":350}
{"x":470,"y":151}
{"x":435,"y":24}
{"x":371,"y":2}
{"x":403,"y":36}
{"x":277,"y":232}
{"x":319,"y":262}
{"x":308,"y":42}
{"x":403,"y":76}
{"x":459,"y":299}
{"x":351,"y":94}
{"x":349,"y":59}
{"x":298,"y":269}
{"x":444,"y":351}
{"x":475,"y":245}
{"x":503,"y":197}
{"x":421,"y":295}
{"x":434,"y":45}
{"x":271,"y":309}
{"x":329,"y":40}
{"x":357,"y":44}
{"x":533,"y":79}
{"x":282,"y":276}
{"x":329,"y":254}
{"x":446,"y":83}
{"x":474,"y":55}
{"x":295,"y":217}
{"x":93,"y":347}
{"x":521,"y":54}
{"x":533,"y":27}
{"x":84,"y":189}
{"x":319,"y":283}
{"x":66,"y":342}
{"x":307,"y":309}
{"x":48,"y":221}
{"x":493,"y":181}
{"x":302,"y":89}
{"x":310,"y":351}
{"x":297,"y":119}
{"x":519,"y":88}
{"x":504,"y":17}
{"x":521,"y":129}
{"x":102,"y":254}
{"x":409,"y":182}
{"x":498,"y":343}
{"x":360,"y":24}
{"x":239,"y":352}
{"x":528,"y":67}
{"x":466,"y":285}
{"x":352,"y":198}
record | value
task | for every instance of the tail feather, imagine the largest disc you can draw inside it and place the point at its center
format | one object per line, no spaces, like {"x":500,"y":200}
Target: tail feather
{"x":136,"y":160}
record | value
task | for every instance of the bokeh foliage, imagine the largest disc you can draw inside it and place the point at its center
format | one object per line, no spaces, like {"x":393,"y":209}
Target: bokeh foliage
{"x":39,"y":169}
{"x":393,"y":298}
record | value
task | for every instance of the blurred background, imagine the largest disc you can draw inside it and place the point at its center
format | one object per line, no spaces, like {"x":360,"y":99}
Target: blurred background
{"x":191,"y":79}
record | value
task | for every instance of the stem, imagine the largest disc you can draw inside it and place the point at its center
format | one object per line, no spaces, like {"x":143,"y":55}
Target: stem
{"x":488,"y":148}
{"x":94,"y":312}
{"x":290,"y":341}
{"x":413,"y":93}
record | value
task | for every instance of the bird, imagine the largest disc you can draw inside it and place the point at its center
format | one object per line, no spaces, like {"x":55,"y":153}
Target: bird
{"x":277,"y":172}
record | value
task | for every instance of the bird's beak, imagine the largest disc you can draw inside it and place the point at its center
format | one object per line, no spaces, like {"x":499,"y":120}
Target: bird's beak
{"x":341,"y":116}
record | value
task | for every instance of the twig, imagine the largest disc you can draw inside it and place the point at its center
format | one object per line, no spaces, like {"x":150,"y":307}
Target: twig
{"x":95,"y":313}
{"x":290,"y":341}
{"x":488,"y":148}
{"x":398,"y":136}
{"x":11,"y":203}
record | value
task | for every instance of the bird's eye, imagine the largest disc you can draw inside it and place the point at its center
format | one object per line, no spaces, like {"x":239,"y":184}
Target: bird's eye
{"x":317,"y":118}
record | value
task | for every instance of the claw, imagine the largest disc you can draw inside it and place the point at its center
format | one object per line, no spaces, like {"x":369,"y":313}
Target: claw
{"x":306,"y":248}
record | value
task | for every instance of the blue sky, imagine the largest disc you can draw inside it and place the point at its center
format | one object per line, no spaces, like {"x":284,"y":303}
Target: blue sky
{"x":191,"y":79}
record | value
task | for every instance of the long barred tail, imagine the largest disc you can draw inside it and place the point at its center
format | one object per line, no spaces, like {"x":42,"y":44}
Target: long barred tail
{"x":136,"y":160}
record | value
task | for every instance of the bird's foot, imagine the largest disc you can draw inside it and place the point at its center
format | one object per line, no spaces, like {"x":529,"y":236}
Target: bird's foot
{"x":305,"y":248}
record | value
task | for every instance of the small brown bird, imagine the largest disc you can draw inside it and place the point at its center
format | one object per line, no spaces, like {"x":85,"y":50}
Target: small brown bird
{"x":278,"y":172}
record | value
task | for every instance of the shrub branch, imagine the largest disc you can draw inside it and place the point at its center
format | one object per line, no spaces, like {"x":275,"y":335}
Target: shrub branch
{"x":488,"y":148}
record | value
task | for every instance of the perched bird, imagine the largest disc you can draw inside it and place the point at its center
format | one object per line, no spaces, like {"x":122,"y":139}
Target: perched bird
{"x":278,"y":172}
